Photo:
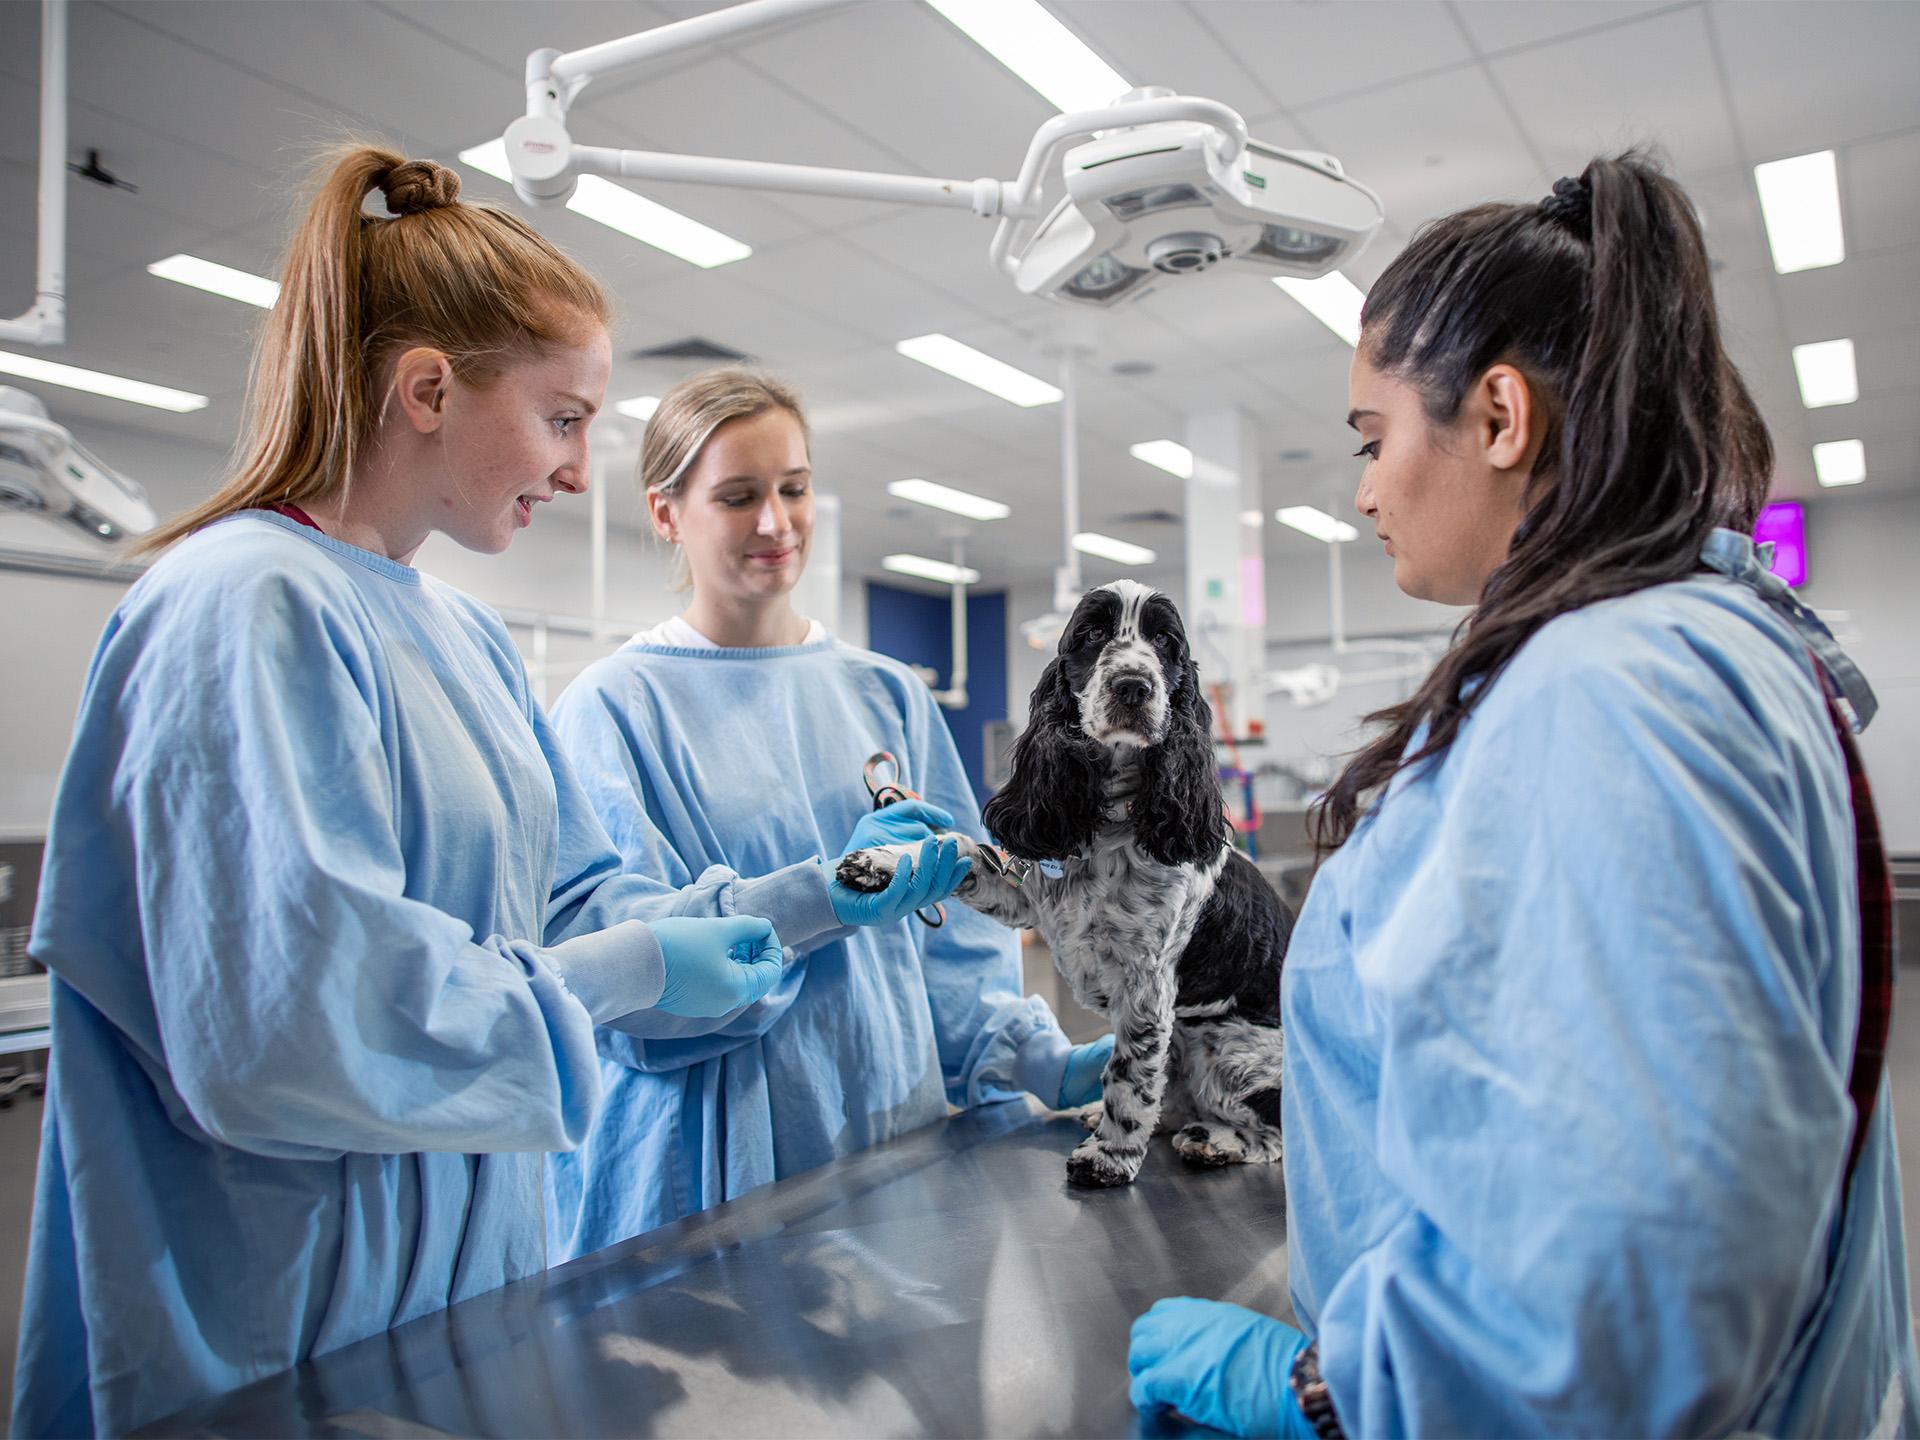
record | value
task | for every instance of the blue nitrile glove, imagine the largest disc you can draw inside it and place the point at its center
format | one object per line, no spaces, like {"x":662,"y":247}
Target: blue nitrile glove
{"x":919,"y":880}
{"x":1220,"y":1365}
{"x":901,"y":823}
{"x":1085,"y":1065}
{"x":715,"y":965}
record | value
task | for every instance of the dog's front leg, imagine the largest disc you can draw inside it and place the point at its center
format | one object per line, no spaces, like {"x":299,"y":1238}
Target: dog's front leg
{"x":983,"y":889}
{"x":1135,"y":1081}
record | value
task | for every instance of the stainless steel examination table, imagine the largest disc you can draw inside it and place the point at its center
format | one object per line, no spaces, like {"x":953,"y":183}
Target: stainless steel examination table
{"x":947,"y":1283}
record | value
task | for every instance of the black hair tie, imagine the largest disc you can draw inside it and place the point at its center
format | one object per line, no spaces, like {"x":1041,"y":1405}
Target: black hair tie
{"x":1571,"y":205}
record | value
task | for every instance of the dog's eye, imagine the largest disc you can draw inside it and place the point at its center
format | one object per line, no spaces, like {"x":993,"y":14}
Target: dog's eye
{"x":1094,"y":635}
{"x":1163,"y":641}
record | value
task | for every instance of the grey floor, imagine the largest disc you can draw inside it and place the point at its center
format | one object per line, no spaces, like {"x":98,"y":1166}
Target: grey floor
{"x":20,"y":1146}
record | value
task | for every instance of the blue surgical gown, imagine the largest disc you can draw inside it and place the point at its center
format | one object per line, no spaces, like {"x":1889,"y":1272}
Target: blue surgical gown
{"x":750,"y":760}
{"x":324,"y":911}
{"x":1569,"y":1024}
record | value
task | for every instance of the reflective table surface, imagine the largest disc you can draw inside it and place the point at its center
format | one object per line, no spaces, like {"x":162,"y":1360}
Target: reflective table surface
{"x":947,"y":1283}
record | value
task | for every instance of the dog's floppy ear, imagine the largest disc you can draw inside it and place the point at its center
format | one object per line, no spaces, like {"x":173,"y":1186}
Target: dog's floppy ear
{"x":1051,"y":806}
{"x":1178,"y":817}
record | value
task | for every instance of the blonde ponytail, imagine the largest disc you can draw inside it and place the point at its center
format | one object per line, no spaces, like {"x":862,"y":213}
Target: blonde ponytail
{"x":357,"y":289}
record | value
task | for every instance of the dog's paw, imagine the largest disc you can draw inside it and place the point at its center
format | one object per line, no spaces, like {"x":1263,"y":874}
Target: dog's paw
{"x":1210,"y":1145}
{"x":867,"y":871}
{"x":1094,"y":1167}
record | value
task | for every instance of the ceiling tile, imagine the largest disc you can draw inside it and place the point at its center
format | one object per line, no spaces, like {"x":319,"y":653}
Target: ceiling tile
{"x":1811,"y":74}
{"x":1645,"y":82}
{"x":1499,"y":26}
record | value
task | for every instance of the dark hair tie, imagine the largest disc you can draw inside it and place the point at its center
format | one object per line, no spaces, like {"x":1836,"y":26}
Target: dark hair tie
{"x":1571,"y":205}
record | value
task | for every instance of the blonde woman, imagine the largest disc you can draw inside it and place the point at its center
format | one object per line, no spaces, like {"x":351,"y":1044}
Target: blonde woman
{"x":329,"y":921}
{"x":732,"y":738}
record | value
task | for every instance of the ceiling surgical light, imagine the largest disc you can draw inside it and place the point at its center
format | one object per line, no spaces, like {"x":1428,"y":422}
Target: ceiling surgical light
{"x":1024,"y":36}
{"x":1168,"y":455}
{"x":1840,"y":462}
{"x":922,"y":568}
{"x":221,"y":280}
{"x":980,"y":370}
{"x":1113,"y":197}
{"x":945,"y":497}
{"x":1108,"y":548}
{"x":1309,"y":520}
{"x":1826,"y":373}
{"x":637,"y":407}
{"x":1800,"y":202}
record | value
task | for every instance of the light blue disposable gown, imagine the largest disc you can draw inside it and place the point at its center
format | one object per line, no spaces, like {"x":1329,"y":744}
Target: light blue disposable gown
{"x":1569,"y":1023}
{"x":320,"y":904}
{"x":747,"y":761}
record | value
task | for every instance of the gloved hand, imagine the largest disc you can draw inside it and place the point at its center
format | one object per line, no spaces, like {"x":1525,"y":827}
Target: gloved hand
{"x":1085,"y":1066}
{"x":1220,"y":1365}
{"x":901,"y":823}
{"x":920,"y":879}
{"x":715,"y":965}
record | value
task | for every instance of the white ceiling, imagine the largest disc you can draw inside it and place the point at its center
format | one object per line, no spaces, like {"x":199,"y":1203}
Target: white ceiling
{"x":211,"y":105}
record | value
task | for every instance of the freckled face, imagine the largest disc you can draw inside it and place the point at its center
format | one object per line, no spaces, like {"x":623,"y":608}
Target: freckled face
{"x":518,"y":440}
{"x":1444,"y":519}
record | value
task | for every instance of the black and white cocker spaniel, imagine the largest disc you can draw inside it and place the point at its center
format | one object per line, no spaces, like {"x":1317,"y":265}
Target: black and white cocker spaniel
{"x":1153,"y":918}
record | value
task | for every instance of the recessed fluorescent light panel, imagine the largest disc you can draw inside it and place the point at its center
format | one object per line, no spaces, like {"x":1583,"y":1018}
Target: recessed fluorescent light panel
{"x":1317,"y":523}
{"x":217,"y":279}
{"x":1176,"y":460}
{"x":1025,"y":37}
{"x":1333,"y":300}
{"x":963,"y":362}
{"x":114,"y":387}
{"x":639,"y":407}
{"x":1108,"y":548}
{"x":1840,"y":462}
{"x":925,"y":569}
{"x":1826,"y":374}
{"x":1800,"y":201}
{"x":618,"y":208}
{"x":943,"y":497}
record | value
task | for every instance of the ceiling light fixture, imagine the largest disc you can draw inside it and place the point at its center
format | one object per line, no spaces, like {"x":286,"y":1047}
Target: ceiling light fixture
{"x":1317,"y":523}
{"x":1108,"y":548}
{"x":963,"y":362}
{"x":945,"y":497}
{"x":1175,"y":459}
{"x":925,"y":569}
{"x":1840,"y":462}
{"x":620,"y":209}
{"x":221,"y":280}
{"x":1024,"y":36}
{"x":1333,"y":300}
{"x":96,"y":382}
{"x":1826,"y":373}
{"x":637,"y":407}
{"x":1800,"y":202}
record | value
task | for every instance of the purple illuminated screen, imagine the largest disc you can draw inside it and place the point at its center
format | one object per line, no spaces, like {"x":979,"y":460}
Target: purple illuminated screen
{"x":1785,"y":525}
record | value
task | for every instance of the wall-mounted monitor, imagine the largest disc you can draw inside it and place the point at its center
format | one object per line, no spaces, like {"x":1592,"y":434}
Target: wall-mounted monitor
{"x":1785,"y":524}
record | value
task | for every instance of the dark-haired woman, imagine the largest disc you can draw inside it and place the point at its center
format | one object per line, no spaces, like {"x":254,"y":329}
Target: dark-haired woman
{"x":1585,"y":1127}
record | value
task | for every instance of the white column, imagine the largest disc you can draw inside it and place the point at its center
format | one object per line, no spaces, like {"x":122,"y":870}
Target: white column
{"x":817,"y":596}
{"x":1226,"y":609}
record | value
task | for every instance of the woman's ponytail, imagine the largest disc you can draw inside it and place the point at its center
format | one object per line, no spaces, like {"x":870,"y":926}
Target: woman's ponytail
{"x":1602,"y":296}
{"x":356,"y":289}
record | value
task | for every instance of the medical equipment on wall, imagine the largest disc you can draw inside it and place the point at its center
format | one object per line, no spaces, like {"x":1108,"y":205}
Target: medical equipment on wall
{"x":1317,"y":683}
{"x":45,"y":471}
{"x":1108,"y":201}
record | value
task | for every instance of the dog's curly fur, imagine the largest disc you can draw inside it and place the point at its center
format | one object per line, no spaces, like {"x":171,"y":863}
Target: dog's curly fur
{"x":1154,"y":920}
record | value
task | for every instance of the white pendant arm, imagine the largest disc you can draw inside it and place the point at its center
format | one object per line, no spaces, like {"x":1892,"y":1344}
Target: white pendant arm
{"x":983,"y":196}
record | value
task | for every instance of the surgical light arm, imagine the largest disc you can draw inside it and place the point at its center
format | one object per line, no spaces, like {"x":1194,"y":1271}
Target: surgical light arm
{"x":1227,"y":200}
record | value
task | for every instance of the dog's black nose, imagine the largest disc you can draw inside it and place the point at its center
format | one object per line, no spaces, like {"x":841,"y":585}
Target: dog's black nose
{"x":1132,"y":690}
